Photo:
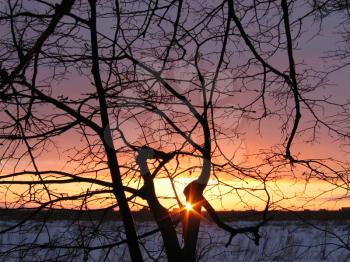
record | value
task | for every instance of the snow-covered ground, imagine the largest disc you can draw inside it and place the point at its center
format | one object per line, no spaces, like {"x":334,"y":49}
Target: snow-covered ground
{"x":281,"y":241}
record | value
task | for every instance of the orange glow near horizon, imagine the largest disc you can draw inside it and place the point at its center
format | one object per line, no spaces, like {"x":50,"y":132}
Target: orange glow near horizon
{"x":233,"y":195}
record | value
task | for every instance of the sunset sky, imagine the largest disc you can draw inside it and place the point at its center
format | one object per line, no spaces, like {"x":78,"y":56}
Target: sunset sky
{"x":287,"y":190}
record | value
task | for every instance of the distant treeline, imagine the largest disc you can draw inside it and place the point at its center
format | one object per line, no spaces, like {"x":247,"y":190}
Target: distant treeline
{"x":145,"y":215}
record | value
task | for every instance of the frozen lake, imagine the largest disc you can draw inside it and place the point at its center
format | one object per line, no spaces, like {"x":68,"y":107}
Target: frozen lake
{"x":281,"y":241}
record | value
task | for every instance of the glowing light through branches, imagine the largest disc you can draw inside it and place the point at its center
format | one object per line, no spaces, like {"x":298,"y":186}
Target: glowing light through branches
{"x":188,"y":206}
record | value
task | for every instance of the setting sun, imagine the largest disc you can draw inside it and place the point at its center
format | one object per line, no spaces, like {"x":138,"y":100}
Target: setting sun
{"x":188,"y":206}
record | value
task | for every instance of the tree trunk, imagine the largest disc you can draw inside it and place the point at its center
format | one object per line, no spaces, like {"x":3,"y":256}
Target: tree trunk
{"x":130,"y":231}
{"x":106,"y":137}
{"x":192,"y":219}
{"x":160,"y":214}
{"x":165,"y":223}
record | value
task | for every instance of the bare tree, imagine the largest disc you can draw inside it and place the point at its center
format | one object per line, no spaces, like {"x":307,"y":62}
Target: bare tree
{"x":165,"y":90}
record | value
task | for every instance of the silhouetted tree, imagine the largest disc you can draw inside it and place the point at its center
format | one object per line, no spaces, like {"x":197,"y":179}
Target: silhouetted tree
{"x":137,"y":91}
